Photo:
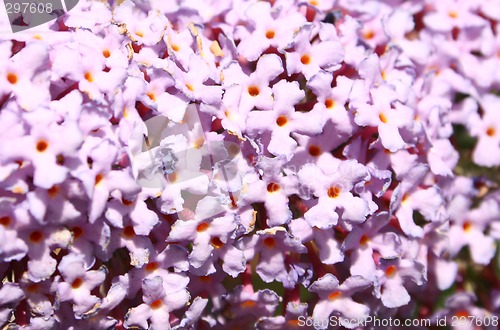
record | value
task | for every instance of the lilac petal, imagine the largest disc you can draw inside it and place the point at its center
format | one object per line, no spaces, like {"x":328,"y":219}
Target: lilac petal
{"x":321,"y":314}
{"x":138,"y":316}
{"x":183,"y":230}
{"x":482,"y":247}
{"x":329,"y":247}
{"x":234,"y":261}
{"x":271,"y":266}
{"x":201,"y":251}
{"x":394,"y":294}
{"x":389,"y":245}
{"x":446,"y":274}
{"x":160,"y":318}
{"x":114,"y":297}
{"x":10,"y":293}
{"x":351,"y":310}
{"x":152,"y":289}
{"x":321,"y":216}
{"x":193,"y":314}
{"x":363,"y":264}
{"x":39,"y":270}
{"x":325,"y":284}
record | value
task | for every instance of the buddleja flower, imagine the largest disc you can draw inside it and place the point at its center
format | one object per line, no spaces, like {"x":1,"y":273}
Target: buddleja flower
{"x":42,"y":147}
{"x":267,"y":28}
{"x":160,"y":298}
{"x":367,"y":242}
{"x":388,"y":115}
{"x":284,"y":120}
{"x":77,"y":285}
{"x":333,"y":189}
{"x":392,"y":277}
{"x":308,"y":58}
{"x":205,"y":234}
{"x":255,"y":89}
{"x":468,"y":228}
{"x":271,"y":245}
{"x":409,"y":197}
{"x":487,"y":129}
{"x":336,"y":297}
{"x":26,"y":75}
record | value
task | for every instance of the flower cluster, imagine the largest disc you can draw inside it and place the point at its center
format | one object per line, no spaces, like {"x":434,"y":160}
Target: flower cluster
{"x":242,"y":164}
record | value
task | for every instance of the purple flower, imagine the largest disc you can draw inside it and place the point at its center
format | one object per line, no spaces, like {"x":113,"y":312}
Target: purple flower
{"x":333,"y":190}
{"x":255,"y":90}
{"x":335,"y":297}
{"x":77,"y":284}
{"x":267,"y":28}
{"x":160,"y":298}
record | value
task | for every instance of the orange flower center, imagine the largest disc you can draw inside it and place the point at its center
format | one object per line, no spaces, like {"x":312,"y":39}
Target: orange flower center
{"x":128,"y":232}
{"x":334,"y":295}
{"x":36,"y":236}
{"x":216,"y":242}
{"x":461,"y":313}
{"x":172,"y":177}
{"x":490,"y":131}
{"x":12,"y":78}
{"x":5,"y":221}
{"x":98,"y":178}
{"x":156,"y":304}
{"x":281,"y":121}
{"x":269,"y":242}
{"x":369,"y":34}
{"x":382,"y":118}
{"x":364,"y":240}
{"x":334,"y":191}
{"x":270,"y":34}
{"x":314,"y":151}
{"x":32,"y":288}
{"x":42,"y":145}
{"x":390,"y":271}
{"x":152,"y":266}
{"x":88,"y":76}
{"x":77,"y":283}
{"x":126,"y":202}
{"x":253,"y":90}
{"x":77,"y":232}
{"x":305,"y":59}
{"x":205,"y":279}
{"x":202,"y":227}
{"x":248,"y":304}
{"x":273,"y":187}
{"x":53,"y":191}
{"x":329,"y":103}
